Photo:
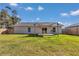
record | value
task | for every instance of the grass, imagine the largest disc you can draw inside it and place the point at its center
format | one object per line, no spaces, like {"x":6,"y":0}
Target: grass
{"x":24,"y":45}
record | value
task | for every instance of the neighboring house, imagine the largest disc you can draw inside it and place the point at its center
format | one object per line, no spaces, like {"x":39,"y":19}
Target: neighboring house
{"x":38,"y":28}
{"x":72,"y":29}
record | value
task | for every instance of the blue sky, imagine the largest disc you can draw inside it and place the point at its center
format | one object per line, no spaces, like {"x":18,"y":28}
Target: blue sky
{"x":46,"y":12}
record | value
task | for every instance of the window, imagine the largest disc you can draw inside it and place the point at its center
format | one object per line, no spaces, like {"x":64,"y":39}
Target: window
{"x":29,"y":29}
{"x":54,"y":29}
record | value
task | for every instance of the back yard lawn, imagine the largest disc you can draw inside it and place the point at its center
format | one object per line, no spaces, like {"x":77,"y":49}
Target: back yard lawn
{"x":24,"y":45}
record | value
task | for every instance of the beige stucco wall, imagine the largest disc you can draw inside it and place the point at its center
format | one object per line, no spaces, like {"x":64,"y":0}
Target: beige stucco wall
{"x":21,"y":29}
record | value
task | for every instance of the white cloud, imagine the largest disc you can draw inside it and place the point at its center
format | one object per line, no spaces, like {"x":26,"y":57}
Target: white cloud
{"x":18,"y":16}
{"x":60,"y":22}
{"x":37,"y":19}
{"x":28,"y":9}
{"x":13,"y":4}
{"x":74,"y":13}
{"x":40,"y":8}
{"x":71,"y":13}
{"x":64,"y":14}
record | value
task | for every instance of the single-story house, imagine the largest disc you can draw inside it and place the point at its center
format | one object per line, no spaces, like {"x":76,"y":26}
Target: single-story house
{"x":72,"y":29}
{"x":38,"y":28}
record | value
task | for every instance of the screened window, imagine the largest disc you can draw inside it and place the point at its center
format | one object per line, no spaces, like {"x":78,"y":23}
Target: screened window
{"x":54,"y":29}
{"x":44,"y":30}
{"x":29,"y":29}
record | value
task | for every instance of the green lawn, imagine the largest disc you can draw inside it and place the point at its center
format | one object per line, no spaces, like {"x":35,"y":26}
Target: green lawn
{"x":24,"y":45}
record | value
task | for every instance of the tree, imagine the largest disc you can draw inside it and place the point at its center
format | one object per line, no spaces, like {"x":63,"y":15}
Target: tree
{"x":15,"y":18}
{"x":7,"y":20}
{"x":4,"y":17}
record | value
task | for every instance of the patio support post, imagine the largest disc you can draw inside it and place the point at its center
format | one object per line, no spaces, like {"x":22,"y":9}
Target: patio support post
{"x":57,"y":30}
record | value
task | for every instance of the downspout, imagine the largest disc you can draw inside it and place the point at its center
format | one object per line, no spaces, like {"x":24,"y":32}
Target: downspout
{"x":34,"y":29}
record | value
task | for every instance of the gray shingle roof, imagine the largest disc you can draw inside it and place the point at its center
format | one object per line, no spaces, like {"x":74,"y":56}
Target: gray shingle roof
{"x":32,"y":23}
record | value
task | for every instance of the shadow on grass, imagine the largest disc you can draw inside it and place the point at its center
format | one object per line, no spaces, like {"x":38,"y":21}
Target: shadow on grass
{"x":33,"y":35}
